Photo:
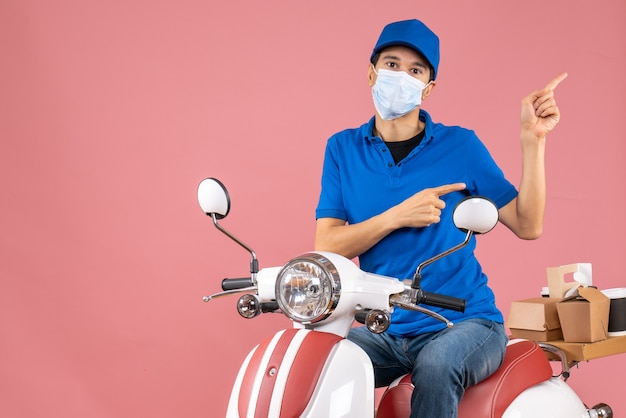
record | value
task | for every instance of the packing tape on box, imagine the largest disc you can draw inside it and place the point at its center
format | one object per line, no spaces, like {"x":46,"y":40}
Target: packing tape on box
{"x":617,"y":312}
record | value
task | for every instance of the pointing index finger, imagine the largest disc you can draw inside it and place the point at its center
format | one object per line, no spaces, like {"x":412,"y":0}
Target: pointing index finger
{"x":555,"y":81}
{"x":449,"y":188}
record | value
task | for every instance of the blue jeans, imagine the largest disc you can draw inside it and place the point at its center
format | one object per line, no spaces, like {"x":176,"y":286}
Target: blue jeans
{"x":442,"y":364}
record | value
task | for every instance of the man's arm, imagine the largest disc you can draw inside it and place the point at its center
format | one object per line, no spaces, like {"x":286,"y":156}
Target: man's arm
{"x":418,"y":211}
{"x":540,"y":114}
{"x":336,"y":236}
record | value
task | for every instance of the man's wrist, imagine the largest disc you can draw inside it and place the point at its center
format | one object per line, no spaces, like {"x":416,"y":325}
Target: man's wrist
{"x":530,"y":136}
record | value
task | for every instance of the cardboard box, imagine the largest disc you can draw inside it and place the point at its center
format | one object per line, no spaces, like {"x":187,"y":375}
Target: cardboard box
{"x":590,"y":351}
{"x":535,"y":319}
{"x":557,"y":284}
{"x":584,"y":317}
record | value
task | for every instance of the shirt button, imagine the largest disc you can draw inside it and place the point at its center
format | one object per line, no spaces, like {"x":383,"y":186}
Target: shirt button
{"x":389,"y":165}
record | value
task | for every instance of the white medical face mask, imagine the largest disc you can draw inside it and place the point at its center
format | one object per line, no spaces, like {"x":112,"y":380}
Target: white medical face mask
{"x":396,"y":93}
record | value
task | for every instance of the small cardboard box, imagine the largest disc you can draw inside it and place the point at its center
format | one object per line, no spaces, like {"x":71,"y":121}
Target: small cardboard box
{"x":535,"y":319}
{"x":559,"y":287}
{"x":584,"y":316}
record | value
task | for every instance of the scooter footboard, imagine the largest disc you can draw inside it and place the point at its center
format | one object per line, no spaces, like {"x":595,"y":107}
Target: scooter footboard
{"x":306,"y":374}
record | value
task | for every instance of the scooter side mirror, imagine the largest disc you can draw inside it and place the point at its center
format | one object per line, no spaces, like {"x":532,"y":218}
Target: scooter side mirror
{"x":215,"y":202}
{"x":213,"y":198}
{"x":472,"y":215}
{"x":476,"y":214}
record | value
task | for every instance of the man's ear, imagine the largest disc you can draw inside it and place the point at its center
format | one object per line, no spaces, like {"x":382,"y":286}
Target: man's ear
{"x":371,"y":75}
{"x":428,"y":89}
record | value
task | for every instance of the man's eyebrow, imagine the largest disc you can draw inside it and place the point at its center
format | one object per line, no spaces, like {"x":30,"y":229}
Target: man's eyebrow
{"x":391,"y":57}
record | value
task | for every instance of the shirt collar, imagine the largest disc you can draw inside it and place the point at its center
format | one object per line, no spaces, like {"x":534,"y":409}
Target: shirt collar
{"x":423,"y":115}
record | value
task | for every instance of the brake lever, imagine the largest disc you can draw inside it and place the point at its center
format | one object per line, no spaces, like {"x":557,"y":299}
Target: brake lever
{"x":403,"y":301}
{"x":228,"y":292}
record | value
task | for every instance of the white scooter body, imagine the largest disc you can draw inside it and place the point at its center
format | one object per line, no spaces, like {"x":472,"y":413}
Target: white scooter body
{"x":345,"y":387}
{"x":311,"y":370}
{"x":550,"y":399}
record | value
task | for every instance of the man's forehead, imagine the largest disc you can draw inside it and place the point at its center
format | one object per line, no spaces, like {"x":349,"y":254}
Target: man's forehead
{"x":400,"y":52}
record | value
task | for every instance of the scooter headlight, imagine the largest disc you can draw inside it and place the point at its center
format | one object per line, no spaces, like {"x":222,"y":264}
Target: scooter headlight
{"x":308,"y":288}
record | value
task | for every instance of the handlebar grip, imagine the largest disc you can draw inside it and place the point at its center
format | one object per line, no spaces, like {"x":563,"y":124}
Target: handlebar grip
{"x":443,"y":301}
{"x":234,"y":284}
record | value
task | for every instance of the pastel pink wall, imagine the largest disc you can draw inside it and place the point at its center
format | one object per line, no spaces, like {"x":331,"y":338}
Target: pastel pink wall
{"x":111,"y":112}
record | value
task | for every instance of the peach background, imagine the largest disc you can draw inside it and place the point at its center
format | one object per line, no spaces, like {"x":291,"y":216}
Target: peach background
{"x":111,"y":112}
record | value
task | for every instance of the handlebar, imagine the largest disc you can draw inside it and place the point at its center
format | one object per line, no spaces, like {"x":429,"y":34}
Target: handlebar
{"x":361,"y":315}
{"x":271,"y":306}
{"x":442,"y":301}
{"x":239,"y":283}
{"x":422,"y":298}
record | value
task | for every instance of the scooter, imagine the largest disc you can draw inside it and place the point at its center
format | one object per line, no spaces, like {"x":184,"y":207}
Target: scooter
{"x":312,"y":370}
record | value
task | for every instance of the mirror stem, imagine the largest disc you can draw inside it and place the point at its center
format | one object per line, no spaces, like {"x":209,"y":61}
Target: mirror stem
{"x":417,"y":278}
{"x":254,"y":263}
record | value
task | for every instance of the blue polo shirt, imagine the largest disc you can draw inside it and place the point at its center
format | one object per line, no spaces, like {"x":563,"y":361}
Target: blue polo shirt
{"x":361,"y":180}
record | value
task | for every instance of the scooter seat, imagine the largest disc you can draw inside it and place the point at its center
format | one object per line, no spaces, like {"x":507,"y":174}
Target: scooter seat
{"x":525,"y":364}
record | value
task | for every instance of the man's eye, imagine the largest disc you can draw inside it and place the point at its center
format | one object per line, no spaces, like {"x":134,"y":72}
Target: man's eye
{"x":416,"y":71}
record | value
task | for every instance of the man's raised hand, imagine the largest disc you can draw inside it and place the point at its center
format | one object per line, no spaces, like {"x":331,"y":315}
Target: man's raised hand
{"x":540,"y":114}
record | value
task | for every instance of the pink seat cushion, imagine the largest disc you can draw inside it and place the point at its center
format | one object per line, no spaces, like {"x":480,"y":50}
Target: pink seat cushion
{"x":524,"y":365}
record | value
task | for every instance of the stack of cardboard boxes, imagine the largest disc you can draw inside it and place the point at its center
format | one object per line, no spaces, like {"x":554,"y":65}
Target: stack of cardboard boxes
{"x":572,"y":317}
{"x":580,"y":318}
